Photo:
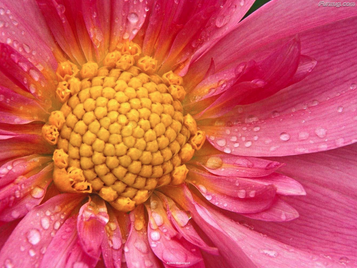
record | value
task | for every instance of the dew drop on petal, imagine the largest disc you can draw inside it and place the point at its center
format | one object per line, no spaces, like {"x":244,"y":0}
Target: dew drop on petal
{"x":57,"y":225}
{"x":155,"y":236}
{"x":221,"y":142}
{"x":15,"y":214}
{"x":32,"y":252}
{"x":133,"y":18}
{"x":252,"y":193}
{"x":148,"y":263}
{"x":37,"y":192}
{"x":320,"y":132}
{"x":284,"y":136}
{"x":202,"y":189}
{"x":8,"y":263}
{"x":248,"y":144}
{"x":141,"y":246}
{"x":303,"y":136}
{"x":340,"y":109}
{"x":126,"y":249}
{"x":157,"y":218}
{"x":45,"y":223}
{"x":227,"y":150}
{"x":241,"y":193}
{"x":34,"y":236}
{"x":270,"y":253}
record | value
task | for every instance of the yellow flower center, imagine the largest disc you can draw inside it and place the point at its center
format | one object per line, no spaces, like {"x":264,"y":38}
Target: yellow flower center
{"x":121,"y":131}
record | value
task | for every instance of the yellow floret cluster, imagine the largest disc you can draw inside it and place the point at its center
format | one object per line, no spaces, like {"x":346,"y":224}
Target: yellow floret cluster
{"x":121,"y":131}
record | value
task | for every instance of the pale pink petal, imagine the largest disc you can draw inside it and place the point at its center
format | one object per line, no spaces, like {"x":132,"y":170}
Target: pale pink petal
{"x":65,"y":249}
{"x":280,"y":211}
{"x":137,"y":248}
{"x":26,"y":192}
{"x":229,"y":165}
{"x":165,"y":242}
{"x":233,"y":193}
{"x":112,"y":245}
{"x":26,"y":32}
{"x":25,"y":75}
{"x":31,"y":237}
{"x":92,"y":219}
{"x":267,"y":28}
{"x":327,"y":221}
{"x":18,"y":109}
{"x":15,"y":168}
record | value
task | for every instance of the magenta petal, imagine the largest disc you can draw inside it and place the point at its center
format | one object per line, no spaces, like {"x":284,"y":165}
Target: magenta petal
{"x":19,"y":197}
{"x":231,"y":165}
{"x":92,"y":219}
{"x":34,"y":233}
{"x":233,"y":194}
{"x":137,"y":248}
{"x":65,"y":250}
{"x":279,"y":211}
{"x":112,"y":243}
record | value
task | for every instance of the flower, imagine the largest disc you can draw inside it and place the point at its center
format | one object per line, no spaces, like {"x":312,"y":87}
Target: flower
{"x":132,"y":134}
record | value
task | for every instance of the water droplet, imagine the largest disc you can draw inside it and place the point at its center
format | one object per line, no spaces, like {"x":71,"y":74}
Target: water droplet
{"x":344,"y":260}
{"x":57,"y":225}
{"x":148,"y":263}
{"x":353,"y":86}
{"x":157,"y":218}
{"x":252,"y":193}
{"x":126,"y":249}
{"x":202,"y":189}
{"x":227,"y":150}
{"x":153,"y":204}
{"x":80,"y":265}
{"x":37,"y":192}
{"x":26,"y":48}
{"x":283,"y":216}
{"x":34,"y":74}
{"x":241,"y":193}
{"x":15,"y":214}
{"x":320,"y":132}
{"x":256,"y":129}
{"x":340,"y":109}
{"x":2,"y":11}
{"x":236,"y":145}
{"x":155,"y":236}
{"x":303,"y":136}
{"x":32,"y":252}
{"x":34,"y":236}
{"x":248,"y":144}
{"x":209,"y":197}
{"x":233,"y":138}
{"x":45,"y":223}
{"x":284,"y":136}
{"x":133,"y":18}
{"x":8,"y":263}
{"x":270,"y":253}
{"x":221,"y":142}
{"x":141,"y":246}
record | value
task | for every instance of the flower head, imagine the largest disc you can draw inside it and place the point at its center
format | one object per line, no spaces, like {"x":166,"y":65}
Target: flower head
{"x":132,"y":130}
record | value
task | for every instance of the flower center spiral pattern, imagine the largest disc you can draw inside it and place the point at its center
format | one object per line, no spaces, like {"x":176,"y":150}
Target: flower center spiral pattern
{"x":121,"y":131}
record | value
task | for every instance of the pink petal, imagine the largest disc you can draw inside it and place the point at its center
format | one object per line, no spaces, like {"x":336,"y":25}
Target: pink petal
{"x":294,"y":121}
{"x":180,"y":221}
{"x":21,"y":196}
{"x":279,"y":211}
{"x":164,"y":241}
{"x":6,"y":229}
{"x":327,"y":221}
{"x":25,"y":75}
{"x":34,"y":233}
{"x":16,"y":147}
{"x":127,"y":19}
{"x":61,"y":22}
{"x":137,"y":248}
{"x":92,"y":219}
{"x":233,"y":194}
{"x":263,"y":251}
{"x":227,"y":246}
{"x":112,"y":243}
{"x":26,"y":32}
{"x":65,"y":249}
{"x":15,"y":168}
{"x":229,"y":165}
{"x":266,"y":29}
{"x":18,"y":109}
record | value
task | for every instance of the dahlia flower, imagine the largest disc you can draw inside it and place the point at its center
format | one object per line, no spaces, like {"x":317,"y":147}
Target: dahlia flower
{"x":175,"y":134}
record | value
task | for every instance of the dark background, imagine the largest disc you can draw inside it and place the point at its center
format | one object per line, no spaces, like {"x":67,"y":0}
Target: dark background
{"x":256,"y":5}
